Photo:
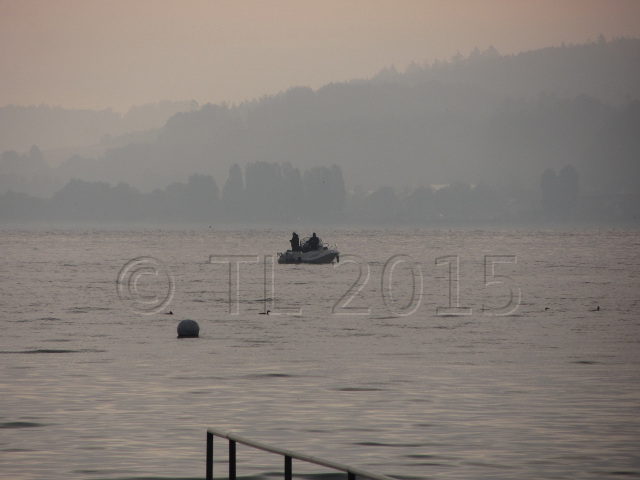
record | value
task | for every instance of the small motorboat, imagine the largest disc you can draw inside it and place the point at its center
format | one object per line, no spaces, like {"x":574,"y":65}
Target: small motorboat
{"x":311,"y":251}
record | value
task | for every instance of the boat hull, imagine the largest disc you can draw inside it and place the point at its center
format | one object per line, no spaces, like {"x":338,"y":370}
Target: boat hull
{"x":315,"y":256}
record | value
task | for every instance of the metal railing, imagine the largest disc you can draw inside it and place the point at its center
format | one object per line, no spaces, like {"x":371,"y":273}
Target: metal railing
{"x":289,"y":455}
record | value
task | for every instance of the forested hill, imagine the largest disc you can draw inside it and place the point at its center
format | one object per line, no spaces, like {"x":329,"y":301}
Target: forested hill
{"x":56,"y":127}
{"x":608,"y":71}
{"x":501,"y":121}
{"x":482,"y":119}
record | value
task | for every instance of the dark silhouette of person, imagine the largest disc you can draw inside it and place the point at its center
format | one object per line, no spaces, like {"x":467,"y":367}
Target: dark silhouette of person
{"x":295,"y":242}
{"x":314,"y":242}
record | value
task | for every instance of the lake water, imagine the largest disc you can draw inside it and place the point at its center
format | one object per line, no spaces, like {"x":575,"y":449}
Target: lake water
{"x":422,"y":354}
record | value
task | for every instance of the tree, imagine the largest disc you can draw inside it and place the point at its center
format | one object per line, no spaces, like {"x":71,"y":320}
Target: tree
{"x":569,"y":184}
{"x":263,"y":181}
{"x":418,"y":205}
{"x":549,"y":187}
{"x":292,"y":190}
{"x":560,"y":192}
{"x":324,"y":191}
{"x":233,"y":193}
{"x":201,"y":198}
{"x":382,"y":205}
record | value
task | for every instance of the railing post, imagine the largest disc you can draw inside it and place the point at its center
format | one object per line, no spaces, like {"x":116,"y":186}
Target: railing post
{"x":232,"y":459}
{"x":288,"y":470}
{"x":209,"y":456}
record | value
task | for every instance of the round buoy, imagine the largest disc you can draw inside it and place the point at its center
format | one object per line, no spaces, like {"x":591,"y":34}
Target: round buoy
{"x":188,"y":328}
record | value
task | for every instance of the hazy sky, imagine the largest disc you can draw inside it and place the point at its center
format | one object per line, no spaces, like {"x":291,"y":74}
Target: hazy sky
{"x":113,"y":53}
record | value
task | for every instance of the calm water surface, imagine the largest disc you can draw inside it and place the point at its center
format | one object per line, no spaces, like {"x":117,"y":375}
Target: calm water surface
{"x":422,"y":354}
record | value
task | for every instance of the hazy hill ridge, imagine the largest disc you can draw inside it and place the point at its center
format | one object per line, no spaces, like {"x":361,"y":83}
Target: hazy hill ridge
{"x":604,"y":70}
{"x":55,"y":127}
{"x":499,"y":121}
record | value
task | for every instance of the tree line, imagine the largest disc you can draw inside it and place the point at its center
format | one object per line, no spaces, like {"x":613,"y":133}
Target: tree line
{"x":280,"y":194}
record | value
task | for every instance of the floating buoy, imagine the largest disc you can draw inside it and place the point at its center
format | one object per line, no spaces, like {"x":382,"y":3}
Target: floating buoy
{"x":188,"y":328}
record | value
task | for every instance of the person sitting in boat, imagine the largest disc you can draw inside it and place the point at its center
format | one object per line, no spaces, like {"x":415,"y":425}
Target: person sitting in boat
{"x":314,"y":242}
{"x":295,"y":242}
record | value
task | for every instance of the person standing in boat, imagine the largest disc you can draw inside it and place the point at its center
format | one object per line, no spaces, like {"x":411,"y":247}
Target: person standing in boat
{"x":314,"y":242}
{"x":295,"y":242}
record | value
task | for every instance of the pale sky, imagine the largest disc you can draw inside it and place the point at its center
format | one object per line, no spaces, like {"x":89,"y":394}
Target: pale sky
{"x":118,"y":53}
